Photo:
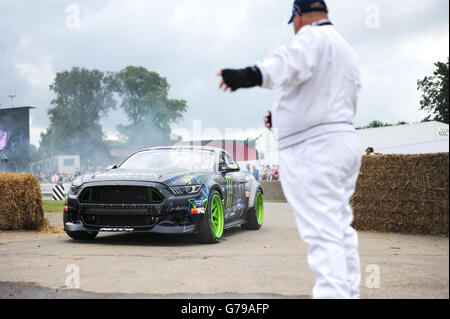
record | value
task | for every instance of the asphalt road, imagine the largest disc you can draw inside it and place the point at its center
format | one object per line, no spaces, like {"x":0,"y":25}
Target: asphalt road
{"x":269,"y":263}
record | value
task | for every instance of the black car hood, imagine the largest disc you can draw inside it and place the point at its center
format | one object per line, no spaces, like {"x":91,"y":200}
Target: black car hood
{"x":168,"y":178}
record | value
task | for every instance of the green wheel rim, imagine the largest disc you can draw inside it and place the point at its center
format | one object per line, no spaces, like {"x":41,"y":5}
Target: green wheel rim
{"x":217,"y":219}
{"x":259,"y":208}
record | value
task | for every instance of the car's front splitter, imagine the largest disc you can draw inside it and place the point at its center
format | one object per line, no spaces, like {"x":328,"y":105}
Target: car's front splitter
{"x":159,"y":229}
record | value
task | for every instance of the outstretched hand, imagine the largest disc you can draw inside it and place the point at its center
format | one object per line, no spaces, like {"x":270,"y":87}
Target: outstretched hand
{"x":235,"y":79}
{"x":222,"y":85}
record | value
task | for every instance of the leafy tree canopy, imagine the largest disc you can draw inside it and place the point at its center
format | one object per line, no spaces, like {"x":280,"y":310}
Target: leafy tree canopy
{"x":435,"y":93}
{"x":82,"y":97}
{"x":145,"y":101}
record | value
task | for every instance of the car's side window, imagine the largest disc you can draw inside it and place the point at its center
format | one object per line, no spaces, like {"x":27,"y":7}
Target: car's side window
{"x":229,"y":160}
{"x":222,"y":157}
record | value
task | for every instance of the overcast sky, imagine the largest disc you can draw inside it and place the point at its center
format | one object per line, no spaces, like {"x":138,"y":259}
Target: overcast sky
{"x":188,"y":41}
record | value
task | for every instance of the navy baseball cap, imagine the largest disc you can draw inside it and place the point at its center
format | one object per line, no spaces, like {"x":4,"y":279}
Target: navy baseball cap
{"x":305,"y":6}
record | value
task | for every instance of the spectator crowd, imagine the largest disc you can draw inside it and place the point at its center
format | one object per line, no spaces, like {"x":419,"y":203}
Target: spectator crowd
{"x":63,"y":178}
{"x":264,"y":173}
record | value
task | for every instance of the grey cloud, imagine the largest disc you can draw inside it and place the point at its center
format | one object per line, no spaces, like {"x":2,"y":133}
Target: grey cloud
{"x":188,"y":41}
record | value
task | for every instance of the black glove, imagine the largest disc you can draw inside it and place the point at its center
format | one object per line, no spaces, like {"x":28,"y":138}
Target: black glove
{"x":242,"y":78}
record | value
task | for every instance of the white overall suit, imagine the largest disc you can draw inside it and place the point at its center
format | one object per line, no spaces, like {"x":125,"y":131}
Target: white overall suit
{"x":317,"y":80}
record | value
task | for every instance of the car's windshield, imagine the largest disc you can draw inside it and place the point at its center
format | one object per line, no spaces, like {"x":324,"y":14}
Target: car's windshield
{"x":171,"y":159}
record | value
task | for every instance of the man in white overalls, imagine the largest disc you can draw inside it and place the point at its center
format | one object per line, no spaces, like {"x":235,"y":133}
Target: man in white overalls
{"x":317,"y":80}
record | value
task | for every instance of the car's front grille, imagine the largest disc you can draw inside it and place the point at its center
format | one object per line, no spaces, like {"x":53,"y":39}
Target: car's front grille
{"x":121,"y":195}
{"x":120,"y":215}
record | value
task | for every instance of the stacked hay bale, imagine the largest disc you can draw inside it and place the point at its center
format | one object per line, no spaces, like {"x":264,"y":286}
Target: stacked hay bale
{"x":20,"y":202}
{"x":403,"y":193}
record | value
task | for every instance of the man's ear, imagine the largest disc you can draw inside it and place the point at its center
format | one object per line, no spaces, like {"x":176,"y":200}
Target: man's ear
{"x":297,"y":22}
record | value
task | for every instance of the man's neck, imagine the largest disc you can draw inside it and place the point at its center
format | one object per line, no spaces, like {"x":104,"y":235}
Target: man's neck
{"x":319,"y":22}
{"x":317,"y":17}
{"x":312,"y":18}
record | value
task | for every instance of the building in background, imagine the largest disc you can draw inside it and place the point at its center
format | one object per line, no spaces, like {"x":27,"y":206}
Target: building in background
{"x":242,"y":151}
{"x":63,"y":164}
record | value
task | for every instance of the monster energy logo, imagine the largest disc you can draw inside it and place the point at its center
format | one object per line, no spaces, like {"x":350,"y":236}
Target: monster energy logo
{"x":229,"y":192}
{"x":187,"y":179}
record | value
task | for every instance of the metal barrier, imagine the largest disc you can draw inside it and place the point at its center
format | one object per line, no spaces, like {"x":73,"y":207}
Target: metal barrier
{"x":47,"y":190}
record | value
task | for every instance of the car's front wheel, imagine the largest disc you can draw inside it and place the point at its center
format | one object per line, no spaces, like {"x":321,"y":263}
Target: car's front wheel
{"x":212,"y":223}
{"x":255,"y":215}
{"x":82,"y":235}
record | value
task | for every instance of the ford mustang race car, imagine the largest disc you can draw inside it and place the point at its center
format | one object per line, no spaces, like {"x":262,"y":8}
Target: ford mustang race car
{"x":172,"y":190}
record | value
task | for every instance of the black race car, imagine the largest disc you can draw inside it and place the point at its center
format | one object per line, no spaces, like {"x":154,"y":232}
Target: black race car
{"x":168,"y":190}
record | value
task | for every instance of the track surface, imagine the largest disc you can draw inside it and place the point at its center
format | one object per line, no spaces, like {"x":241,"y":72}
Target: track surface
{"x":270,"y":263}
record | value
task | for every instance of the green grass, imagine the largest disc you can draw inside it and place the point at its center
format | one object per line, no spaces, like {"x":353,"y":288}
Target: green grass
{"x":53,"y":206}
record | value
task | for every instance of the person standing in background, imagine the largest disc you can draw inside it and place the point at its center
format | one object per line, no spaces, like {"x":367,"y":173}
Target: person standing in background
{"x":256,"y":173}
{"x":275,"y":173}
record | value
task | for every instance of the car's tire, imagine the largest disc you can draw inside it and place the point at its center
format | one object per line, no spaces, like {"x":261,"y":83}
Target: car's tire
{"x":82,"y":235}
{"x":213,"y":222}
{"x":255,"y":215}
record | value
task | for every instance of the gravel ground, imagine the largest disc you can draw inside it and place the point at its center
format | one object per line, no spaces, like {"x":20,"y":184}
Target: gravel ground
{"x":270,"y":263}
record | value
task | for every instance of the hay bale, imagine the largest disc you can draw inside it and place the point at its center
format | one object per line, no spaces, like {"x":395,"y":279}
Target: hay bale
{"x":47,"y":228}
{"x":403,"y":193}
{"x":20,"y":202}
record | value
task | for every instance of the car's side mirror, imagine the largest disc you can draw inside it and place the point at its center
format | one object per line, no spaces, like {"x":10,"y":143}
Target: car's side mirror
{"x":111,"y":167}
{"x":224,"y":168}
{"x":233,"y":168}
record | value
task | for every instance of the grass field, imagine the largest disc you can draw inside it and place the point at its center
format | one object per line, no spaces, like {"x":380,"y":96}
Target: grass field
{"x":53,"y":206}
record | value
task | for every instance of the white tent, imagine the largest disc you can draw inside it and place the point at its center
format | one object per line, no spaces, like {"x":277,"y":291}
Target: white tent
{"x":421,"y":138}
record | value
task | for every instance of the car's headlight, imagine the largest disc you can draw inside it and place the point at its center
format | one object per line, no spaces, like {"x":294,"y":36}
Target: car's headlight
{"x":76,"y":184}
{"x":74,"y":189}
{"x":185,"y":190}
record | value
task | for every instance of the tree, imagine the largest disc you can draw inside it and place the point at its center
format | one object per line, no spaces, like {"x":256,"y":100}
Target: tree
{"x":435,"y":93}
{"x":82,"y":98}
{"x":376,"y":124}
{"x":145,"y":101}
